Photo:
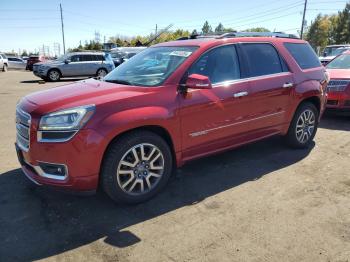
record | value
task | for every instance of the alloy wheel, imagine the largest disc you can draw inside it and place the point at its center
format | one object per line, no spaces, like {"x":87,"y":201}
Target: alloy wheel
{"x":305,"y":126}
{"x":140,"y":169}
{"x":54,"y":75}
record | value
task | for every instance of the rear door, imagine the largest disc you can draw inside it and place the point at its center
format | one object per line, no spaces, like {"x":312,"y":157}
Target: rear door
{"x":271,"y":84}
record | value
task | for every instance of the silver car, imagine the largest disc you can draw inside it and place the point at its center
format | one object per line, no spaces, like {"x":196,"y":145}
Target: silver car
{"x":3,"y":63}
{"x":75,"y":64}
{"x":16,"y":63}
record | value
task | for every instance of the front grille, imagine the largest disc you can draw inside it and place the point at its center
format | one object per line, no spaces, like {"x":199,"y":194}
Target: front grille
{"x":23,"y":121}
{"x":337,"y":85}
{"x":332,"y":102}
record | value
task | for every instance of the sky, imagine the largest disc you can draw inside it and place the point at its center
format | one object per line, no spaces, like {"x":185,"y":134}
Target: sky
{"x":32,"y":24}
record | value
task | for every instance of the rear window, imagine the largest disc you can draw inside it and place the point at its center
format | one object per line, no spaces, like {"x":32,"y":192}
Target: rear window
{"x":303,"y":54}
{"x":263,"y":59}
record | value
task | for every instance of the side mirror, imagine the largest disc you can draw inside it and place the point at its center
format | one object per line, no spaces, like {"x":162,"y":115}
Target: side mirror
{"x":196,"y":81}
{"x":66,"y":61}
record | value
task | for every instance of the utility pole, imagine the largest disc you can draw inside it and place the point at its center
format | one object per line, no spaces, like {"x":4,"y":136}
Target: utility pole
{"x":156,"y":29}
{"x":64,"y":44}
{"x":303,"y":22}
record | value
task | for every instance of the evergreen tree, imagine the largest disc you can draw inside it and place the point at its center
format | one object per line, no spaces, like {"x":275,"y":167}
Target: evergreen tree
{"x":219,"y":29}
{"x":206,"y":29}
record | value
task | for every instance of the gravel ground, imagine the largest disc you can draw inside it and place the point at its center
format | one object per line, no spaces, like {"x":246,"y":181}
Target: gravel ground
{"x":261,"y":202}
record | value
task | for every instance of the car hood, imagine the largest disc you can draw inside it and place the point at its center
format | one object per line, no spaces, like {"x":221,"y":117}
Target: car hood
{"x":339,"y":73}
{"x":80,"y":93}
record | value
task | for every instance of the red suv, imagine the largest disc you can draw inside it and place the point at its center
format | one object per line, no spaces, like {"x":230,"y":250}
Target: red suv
{"x":169,"y":104}
{"x":33,"y":60}
{"x":339,"y":84}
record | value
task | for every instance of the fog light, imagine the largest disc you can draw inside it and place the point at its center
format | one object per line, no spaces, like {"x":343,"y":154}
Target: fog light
{"x":53,"y":169}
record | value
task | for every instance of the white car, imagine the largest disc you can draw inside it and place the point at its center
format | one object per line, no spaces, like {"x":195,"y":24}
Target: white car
{"x":331,"y":51}
{"x":3,"y":63}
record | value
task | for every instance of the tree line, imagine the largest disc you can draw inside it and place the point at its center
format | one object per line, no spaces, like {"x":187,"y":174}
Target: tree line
{"x":330,"y":29}
{"x":120,"y":40}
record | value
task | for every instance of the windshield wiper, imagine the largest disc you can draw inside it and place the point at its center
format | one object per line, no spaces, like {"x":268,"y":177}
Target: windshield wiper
{"x":118,"y":81}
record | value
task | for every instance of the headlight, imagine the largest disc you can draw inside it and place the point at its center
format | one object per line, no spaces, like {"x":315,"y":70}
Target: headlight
{"x":67,"y":119}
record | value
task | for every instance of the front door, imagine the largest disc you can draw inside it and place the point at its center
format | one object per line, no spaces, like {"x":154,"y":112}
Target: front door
{"x":211,"y":119}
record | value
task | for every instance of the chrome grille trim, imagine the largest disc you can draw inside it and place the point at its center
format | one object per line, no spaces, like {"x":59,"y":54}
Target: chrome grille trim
{"x":337,"y":85}
{"x":23,"y":121}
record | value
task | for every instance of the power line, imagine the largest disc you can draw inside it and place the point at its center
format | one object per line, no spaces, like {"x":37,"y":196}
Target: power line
{"x":255,"y":16}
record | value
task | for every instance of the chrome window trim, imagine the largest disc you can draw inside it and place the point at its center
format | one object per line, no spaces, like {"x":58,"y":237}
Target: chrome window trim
{"x":242,"y":80}
{"x":204,"y":132}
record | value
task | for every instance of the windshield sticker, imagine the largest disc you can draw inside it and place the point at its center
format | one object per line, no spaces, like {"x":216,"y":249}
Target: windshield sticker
{"x":181,"y":53}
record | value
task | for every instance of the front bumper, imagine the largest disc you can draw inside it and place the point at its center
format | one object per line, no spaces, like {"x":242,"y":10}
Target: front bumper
{"x":81,"y":157}
{"x":39,"y":72}
{"x":338,"y":100}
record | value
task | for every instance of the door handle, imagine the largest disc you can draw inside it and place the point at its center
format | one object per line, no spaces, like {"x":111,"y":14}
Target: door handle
{"x":287,"y":85}
{"x":240,"y":94}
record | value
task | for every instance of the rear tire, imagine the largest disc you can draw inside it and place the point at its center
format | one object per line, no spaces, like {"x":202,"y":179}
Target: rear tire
{"x":4,"y":68}
{"x":303,"y":127}
{"x":136,"y":167}
{"x":101,"y":72}
{"x":53,"y":75}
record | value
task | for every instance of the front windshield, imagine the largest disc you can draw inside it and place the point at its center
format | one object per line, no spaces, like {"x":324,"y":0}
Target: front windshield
{"x":151,"y":67}
{"x":62,"y":58}
{"x":339,"y":51}
{"x":117,"y":55}
{"x":332,"y":51}
{"x":341,"y":62}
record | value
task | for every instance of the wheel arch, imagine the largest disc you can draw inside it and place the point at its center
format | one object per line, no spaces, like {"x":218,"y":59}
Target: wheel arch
{"x":157,"y":129}
{"x":54,"y":68}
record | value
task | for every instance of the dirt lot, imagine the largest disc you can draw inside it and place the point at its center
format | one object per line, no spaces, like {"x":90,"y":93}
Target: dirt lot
{"x":262,"y":202}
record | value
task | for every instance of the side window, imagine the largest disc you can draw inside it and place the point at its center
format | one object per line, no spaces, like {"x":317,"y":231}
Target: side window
{"x":88,"y":58}
{"x":262,"y":59}
{"x":303,"y":54}
{"x":220,"y":64}
{"x":76,"y":58}
{"x":100,"y":58}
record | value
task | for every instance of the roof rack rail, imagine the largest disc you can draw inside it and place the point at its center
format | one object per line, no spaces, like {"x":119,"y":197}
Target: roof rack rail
{"x":257,"y":34}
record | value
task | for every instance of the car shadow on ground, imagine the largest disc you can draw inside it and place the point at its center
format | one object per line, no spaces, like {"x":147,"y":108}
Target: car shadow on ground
{"x":336,"y":120}
{"x":37,"y":222}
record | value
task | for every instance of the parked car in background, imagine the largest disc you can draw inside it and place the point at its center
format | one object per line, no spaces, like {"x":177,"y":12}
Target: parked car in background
{"x":75,"y":64}
{"x":331,"y":51}
{"x":339,"y":85}
{"x":16,"y":63}
{"x":122,"y":54}
{"x":3,"y":62}
{"x":172,"y":103}
{"x":33,"y":60}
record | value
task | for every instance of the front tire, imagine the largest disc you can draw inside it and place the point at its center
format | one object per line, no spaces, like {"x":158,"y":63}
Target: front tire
{"x":136,"y":167}
{"x":303,"y":127}
{"x":4,"y":68}
{"x":53,"y":75}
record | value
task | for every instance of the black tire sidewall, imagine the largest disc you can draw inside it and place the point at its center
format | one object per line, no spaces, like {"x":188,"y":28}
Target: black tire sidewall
{"x":113,"y":156}
{"x":291,"y":135}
